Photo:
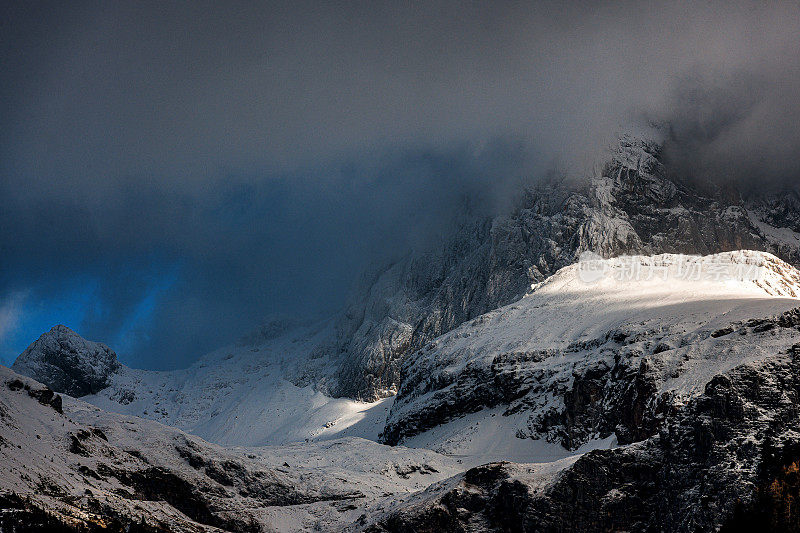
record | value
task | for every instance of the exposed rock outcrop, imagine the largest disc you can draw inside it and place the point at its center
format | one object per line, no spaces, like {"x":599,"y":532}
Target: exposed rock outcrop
{"x":68,"y":363}
{"x":728,"y":460}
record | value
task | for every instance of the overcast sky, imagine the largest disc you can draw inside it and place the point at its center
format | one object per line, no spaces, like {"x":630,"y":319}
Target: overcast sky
{"x":172,"y":172}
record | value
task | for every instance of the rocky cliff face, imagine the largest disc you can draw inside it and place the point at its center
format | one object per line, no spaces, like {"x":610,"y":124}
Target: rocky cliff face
{"x":68,"y":363}
{"x":635,"y":205}
{"x":726,"y":461}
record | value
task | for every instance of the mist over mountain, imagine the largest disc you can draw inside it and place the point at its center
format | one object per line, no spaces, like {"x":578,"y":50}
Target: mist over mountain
{"x":172,"y":173}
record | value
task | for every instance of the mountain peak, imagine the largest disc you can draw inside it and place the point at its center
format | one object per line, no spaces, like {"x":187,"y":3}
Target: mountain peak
{"x":68,"y":363}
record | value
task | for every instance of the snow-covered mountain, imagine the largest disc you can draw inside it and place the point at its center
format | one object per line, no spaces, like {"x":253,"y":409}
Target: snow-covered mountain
{"x":658,"y":387}
{"x":636,"y":204}
{"x":603,"y":348}
{"x":617,"y":338}
{"x":302,"y":377}
{"x":688,"y":366}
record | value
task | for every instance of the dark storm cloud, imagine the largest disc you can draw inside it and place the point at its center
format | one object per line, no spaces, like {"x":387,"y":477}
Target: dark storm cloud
{"x":739,"y":128}
{"x":206,"y":163}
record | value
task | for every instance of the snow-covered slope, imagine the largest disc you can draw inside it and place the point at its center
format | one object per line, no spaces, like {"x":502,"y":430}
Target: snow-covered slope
{"x":266,"y":389}
{"x":604,"y":348}
{"x":261,"y":391}
{"x":67,"y":463}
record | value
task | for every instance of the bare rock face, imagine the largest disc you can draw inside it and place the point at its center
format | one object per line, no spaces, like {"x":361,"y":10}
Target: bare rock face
{"x":68,"y":363}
